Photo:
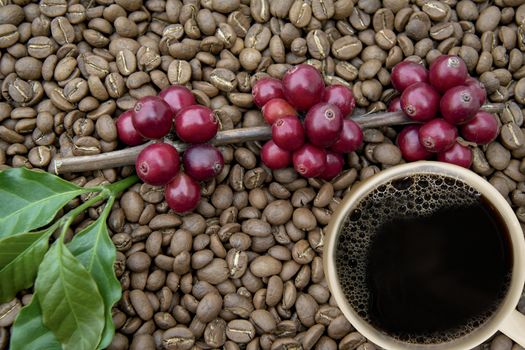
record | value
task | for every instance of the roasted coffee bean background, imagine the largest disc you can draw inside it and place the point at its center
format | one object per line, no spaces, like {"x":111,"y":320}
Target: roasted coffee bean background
{"x":244,"y":271}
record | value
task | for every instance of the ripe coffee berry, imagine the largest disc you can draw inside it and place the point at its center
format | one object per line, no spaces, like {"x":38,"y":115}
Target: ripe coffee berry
{"x":303,"y":86}
{"x":266,"y":89}
{"x":420,"y":102}
{"x":342,"y":97}
{"x":202,"y":162}
{"x":446,"y":72}
{"x":288,"y":133}
{"x":395,"y":105}
{"x":350,"y":138}
{"x":323,"y":124}
{"x":458,"y":105}
{"x":334,"y":166}
{"x":309,"y":160}
{"x":410,"y":146}
{"x":152,"y":117}
{"x":126,"y":131}
{"x":482,"y":129}
{"x":437,"y":135}
{"x":478,"y":89}
{"x":196,"y":124}
{"x":177,"y":97}
{"x":182,"y":193}
{"x":457,"y":154}
{"x":157,"y":164}
{"x":274,"y":157}
{"x":277,"y":108}
{"x":407,"y":73}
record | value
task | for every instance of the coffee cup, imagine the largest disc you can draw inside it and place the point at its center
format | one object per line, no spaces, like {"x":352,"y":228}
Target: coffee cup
{"x":427,"y":255}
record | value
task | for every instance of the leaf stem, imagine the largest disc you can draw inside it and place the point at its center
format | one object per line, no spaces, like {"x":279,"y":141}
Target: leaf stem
{"x":69,"y":217}
{"x":121,"y":185}
{"x":109,"y":191}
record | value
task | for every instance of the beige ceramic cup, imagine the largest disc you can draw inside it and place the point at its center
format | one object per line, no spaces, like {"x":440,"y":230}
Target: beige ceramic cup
{"x":505,"y":319}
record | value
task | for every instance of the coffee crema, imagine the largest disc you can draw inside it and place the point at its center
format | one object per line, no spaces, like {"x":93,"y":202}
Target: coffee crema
{"x":425,"y":259}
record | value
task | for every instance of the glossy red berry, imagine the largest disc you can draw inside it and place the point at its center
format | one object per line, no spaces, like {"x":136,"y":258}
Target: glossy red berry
{"x":478,"y":89}
{"x":309,"y":160}
{"x":303,"y":86}
{"x":482,"y":129}
{"x":274,"y":157}
{"x":420,"y":102}
{"x":458,"y":105}
{"x":350,"y":138}
{"x":458,"y":155}
{"x":342,"y":97}
{"x":202,"y":162}
{"x":182,"y":193}
{"x":178,"y":97}
{"x":266,"y":89}
{"x":407,"y":73}
{"x":410,"y":146}
{"x":157,"y":164}
{"x":126,"y":131}
{"x":277,"y":108}
{"x":196,"y":124}
{"x":437,"y":135}
{"x":395,"y":105}
{"x":446,"y":72}
{"x":323,"y":124}
{"x":334,"y":166}
{"x":288,"y":133}
{"x":153,"y":117}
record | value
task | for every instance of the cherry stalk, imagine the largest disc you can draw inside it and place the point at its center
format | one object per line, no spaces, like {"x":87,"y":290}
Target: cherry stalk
{"x":128,"y":155}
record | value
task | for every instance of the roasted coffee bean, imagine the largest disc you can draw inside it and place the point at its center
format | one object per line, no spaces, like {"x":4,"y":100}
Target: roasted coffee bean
{"x":300,"y":13}
{"x":141,"y":304}
{"x":352,"y":341}
{"x":40,"y":156}
{"x":302,"y":253}
{"x":265,"y":266}
{"x":215,"y":272}
{"x":11,"y":14}
{"x":178,"y":337}
{"x":257,"y":37}
{"x":346,"y":48}
{"x":498,"y":156}
{"x":9,"y":35}
{"x":339,"y":327}
{"x":263,"y":321}
{"x":62,"y":30}
{"x":488,"y":19}
{"x":306,"y":309}
{"x":223,"y":79}
{"x":240,"y":331}
{"x":8,"y":312}
{"x":209,"y":307}
{"x":511,"y":136}
{"x":53,"y":8}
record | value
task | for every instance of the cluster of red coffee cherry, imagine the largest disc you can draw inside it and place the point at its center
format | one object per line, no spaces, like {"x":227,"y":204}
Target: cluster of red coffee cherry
{"x":158,"y":164}
{"x":444,"y":98}
{"x":314,"y":147}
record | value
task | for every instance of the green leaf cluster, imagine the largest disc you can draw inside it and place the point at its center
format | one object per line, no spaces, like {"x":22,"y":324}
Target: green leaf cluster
{"x":75,"y":286}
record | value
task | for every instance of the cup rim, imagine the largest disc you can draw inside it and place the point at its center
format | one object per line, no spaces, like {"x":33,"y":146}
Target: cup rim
{"x":517,"y":242}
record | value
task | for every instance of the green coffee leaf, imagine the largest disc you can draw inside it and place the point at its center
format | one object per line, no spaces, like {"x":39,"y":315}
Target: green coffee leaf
{"x":96,"y":252}
{"x":31,"y":199}
{"x":72,"y":307}
{"x":20,"y":256}
{"x":28,"y":331}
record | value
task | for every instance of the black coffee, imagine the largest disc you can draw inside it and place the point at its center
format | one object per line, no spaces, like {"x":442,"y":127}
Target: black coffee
{"x":425,"y":259}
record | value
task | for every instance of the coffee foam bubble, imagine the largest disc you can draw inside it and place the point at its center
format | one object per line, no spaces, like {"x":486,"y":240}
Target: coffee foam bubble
{"x":421,"y":196}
